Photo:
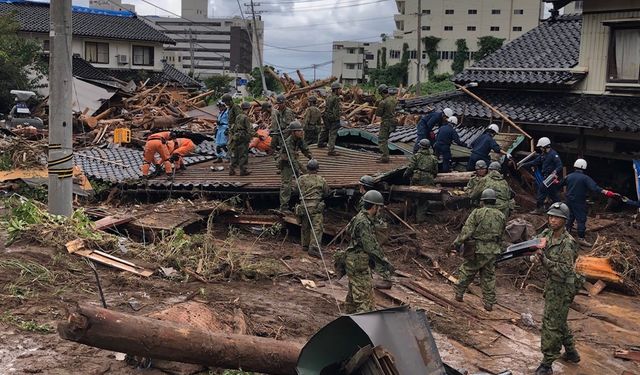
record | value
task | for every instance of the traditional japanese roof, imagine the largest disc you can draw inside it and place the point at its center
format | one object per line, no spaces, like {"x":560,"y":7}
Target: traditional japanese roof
{"x":613,"y":113}
{"x":168,"y":74}
{"x":543,"y":56}
{"x":87,"y":22}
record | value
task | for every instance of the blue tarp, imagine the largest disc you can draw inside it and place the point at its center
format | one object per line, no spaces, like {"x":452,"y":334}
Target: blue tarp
{"x":636,"y":170}
{"x":79,"y":9}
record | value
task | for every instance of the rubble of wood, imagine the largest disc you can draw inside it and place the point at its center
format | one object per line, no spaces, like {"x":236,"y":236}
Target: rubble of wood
{"x":613,"y":261}
{"x":20,"y":153}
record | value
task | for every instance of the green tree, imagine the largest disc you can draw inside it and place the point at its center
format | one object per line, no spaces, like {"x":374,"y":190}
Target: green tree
{"x":255,"y":85}
{"x":383,"y":62}
{"x":378,"y":60}
{"x":218,"y":83}
{"x":462,"y":54}
{"x":488,"y":45}
{"x":21,"y":63}
{"x":431,"y":48}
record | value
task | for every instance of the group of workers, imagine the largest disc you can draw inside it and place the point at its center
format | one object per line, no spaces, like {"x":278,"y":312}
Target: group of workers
{"x":171,"y":150}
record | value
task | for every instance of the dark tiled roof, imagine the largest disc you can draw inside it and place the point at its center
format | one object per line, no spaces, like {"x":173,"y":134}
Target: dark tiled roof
{"x":615,"y":113}
{"x":177,"y":76}
{"x":532,"y":58}
{"x":34,"y":17}
{"x":168,"y":74}
{"x":83,"y":69}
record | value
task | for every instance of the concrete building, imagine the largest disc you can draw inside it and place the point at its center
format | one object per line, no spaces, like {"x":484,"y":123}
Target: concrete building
{"x":353,"y":58}
{"x":450,"y":20}
{"x":209,"y":46}
{"x":111,"y":5}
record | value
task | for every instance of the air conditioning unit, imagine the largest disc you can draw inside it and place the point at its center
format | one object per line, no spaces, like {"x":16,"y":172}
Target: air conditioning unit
{"x":122,"y":59}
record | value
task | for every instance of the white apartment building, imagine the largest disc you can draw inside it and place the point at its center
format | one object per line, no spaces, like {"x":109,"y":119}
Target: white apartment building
{"x":210,"y":46}
{"x":448,"y":20}
{"x":111,"y":5}
{"x":353,"y":58}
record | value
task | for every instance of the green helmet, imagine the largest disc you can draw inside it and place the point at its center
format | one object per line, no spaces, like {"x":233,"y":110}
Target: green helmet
{"x":488,"y":195}
{"x":281,"y":99}
{"x":559,"y":209}
{"x":266,"y":106}
{"x":425,"y":143}
{"x":245,"y":105}
{"x":481,"y":164}
{"x":335,"y":85}
{"x":226,"y":98}
{"x":373,"y":197}
{"x":383,"y":89}
{"x":367,"y":181}
{"x":495,"y":166}
{"x":295,"y":125}
{"x":313,"y":165}
{"x":312,"y":99}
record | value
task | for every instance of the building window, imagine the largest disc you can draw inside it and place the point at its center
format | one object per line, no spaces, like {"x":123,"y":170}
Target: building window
{"x":142,"y":55}
{"x":473,"y":11}
{"x":46,"y":45}
{"x":624,"y":56}
{"x":412,"y":54}
{"x":496,"y":11}
{"x":338,"y":46}
{"x":517,"y":28}
{"x":96,"y":52}
{"x":471,"y":28}
{"x":448,"y":28}
{"x":394,"y":54}
{"x":351,"y":51}
{"x":495,"y":28}
{"x":369,"y":56}
{"x":350,"y":66}
{"x":426,"y":28}
{"x":578,"y":5}
{"x":448,"y":11}
{"x":426,"y":11}
{"x":518,"y":11}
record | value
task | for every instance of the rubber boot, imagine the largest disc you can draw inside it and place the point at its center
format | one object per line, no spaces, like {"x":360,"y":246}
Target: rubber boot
{"x":544,"y":370}
{"x":571,"y":356}
{"x":232,"y":172}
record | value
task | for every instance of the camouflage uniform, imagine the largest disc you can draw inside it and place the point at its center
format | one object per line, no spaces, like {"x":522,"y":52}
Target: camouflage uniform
{"x":363,"y":252}
{"x":558,"y":260}
{"x":311,"y":124}
{"x":241,"y":133}
{"x":234,"y":112}
{"x":331,"y":121}
{"x":313,"y":188}
{"x":286,"y":172}
{"x":485,"y":226}
{"x":494,"y":180}
{"x":275,"y":133}
{"x":423,"y":168}
{"x":386,"y":111}
{"x":471,"y":185}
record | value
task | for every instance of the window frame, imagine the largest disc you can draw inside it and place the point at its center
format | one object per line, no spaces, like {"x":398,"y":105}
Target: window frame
{"x":496,"y":12}
{"x":449,"y":12}
{"x":517,"y":28}
{"x":494,"y":28}
{"x":472,"y":28}
{"x":518,"y":12}
{"x":611,"y":64}
{"x":448,"y":28}
{"x":472,"y":11}
{"x":151,"y":57}
{"x":96,"y":45}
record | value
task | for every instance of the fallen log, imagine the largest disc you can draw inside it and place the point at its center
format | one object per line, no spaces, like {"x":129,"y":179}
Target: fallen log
{"x":598,"y":269}
{"x":454,"y":178}
{"x":153,"y":338}
{"x":431,"y":193}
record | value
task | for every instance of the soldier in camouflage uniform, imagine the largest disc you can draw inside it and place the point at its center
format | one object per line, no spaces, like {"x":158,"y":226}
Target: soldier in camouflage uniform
{"x":233,"y":108}
{"x":293,"y":144}
{"x":366,"y":183}
{"x":483,"y":231}
{"x":494,"y":180}
{"x":481,"y":171}
{"x":363,"y":254}
{"x":313,"y":188}
{"x":422,"y":168}
{"x":241,"y":133}
{"x":312,"y":121}
{"x":386,"y":111}
{"x":331,"y":120}
{"x":558,"y":259}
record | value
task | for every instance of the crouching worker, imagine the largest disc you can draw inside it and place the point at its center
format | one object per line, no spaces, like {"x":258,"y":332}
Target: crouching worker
{"x":482,"y":237}
{"x":157,"y":145}
{"x":363,"y":254}
{"x":179,"y":149}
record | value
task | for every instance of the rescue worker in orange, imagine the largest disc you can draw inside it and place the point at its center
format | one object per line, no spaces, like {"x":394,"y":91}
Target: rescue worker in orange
{"x":179,"y":149}
{"x":262,"y":140}
{"x":157,"y":145}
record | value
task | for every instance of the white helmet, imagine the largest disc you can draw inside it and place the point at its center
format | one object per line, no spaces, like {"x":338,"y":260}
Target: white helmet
{"x":453,"y":120}
{"x":448,"y":112}
{"x":494,"y":128}
{"x":543,"y":142}
{"x":580,"y":164}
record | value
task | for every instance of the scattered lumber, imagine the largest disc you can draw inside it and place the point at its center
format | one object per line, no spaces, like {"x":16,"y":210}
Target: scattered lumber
{"x":153,"y":338}
{"x":77,"y":247}
{"x":454,"y":178}
{"x":598,"y":269}
{"x":431,"y":193}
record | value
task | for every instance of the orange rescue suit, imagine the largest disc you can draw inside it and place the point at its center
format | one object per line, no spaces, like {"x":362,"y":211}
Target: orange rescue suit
{"x":262,"y":142}
{"x":181,"y":147}
{"x":156,"y":145}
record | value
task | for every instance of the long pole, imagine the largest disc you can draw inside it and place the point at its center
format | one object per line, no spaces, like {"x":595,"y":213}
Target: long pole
{"x":256,"y":40}
{"x":419,"y":49}
{"x":191,"y":54}
{"x":60,"y":116}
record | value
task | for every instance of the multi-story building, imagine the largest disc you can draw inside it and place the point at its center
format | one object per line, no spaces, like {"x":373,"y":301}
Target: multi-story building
{"x":450,"y":20}
{"x":210,"y":46}
{"x":111,"y":5}
{"x":354,"y":58}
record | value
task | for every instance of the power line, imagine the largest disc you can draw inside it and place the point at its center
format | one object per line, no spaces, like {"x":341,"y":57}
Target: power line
{"x":331,"y":23}
{"x":299,"y":10}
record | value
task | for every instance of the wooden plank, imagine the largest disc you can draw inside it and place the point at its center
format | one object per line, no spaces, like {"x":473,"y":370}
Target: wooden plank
{"x":631,"y":355}
{"x":18,"y":174}
{"x":111,"y":221}
{"x":597,"y":288}
{"x":78,"y":247}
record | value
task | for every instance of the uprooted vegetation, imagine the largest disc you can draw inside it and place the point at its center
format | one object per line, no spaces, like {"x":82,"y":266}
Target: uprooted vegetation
{"x":20,"y":153}
{"x":624,"y":259}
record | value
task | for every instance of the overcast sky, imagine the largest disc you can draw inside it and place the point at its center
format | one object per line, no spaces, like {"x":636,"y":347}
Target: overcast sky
{"x":305,"y":27}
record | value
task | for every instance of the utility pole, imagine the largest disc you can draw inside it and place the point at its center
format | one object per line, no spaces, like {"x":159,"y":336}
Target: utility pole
{"x":192,"y":54}
{"x":60,"y":117}
{"x":419,"y":50}
{"x":314,"y":71}
{"x":256,"y":40}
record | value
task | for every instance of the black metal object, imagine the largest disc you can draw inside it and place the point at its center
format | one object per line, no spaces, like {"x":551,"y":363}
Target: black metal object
{"x":521,"y":249}
{"x":95,"y":272}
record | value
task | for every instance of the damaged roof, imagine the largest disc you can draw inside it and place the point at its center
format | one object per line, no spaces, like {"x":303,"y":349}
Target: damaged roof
{"x":543,"y":56}
{"x":87,"y":22}
{"x":168,"y":74}
{"x":613,"y":113}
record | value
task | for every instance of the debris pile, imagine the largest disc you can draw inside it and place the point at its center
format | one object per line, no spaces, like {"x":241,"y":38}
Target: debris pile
{"x":613,"y":260}
{"x":20,"y":153}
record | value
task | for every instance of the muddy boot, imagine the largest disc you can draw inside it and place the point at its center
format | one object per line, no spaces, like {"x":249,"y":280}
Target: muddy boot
{"x":458,"y":297}
{"x":571,"y":356}
{"x":217,"y":160}
{"x":305,"y":248}
{"x":332,"y":153}
{"x":322,"y":145}
{"x":382,"y":284}
{"x":244,"y":173}
{"x":232,"y":172}
{"x":169,"y":176}
{"x":544,"y":370}
{"x":488,"y":307}
{"x":314,"y":253}
{"x":583,"y":242}
{"x":382,"y":160}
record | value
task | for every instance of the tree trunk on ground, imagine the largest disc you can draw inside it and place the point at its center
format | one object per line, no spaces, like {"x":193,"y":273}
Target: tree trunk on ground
{"x":598,"y":269}
{"x":152,"y":338}
{"x":454,"y":178}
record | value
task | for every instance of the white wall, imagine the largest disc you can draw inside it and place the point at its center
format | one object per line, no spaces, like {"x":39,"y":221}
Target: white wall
{"x":121,"y":48}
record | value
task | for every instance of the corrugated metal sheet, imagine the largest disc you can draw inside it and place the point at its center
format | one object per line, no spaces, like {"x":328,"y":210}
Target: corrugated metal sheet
{"x":594,"y":48}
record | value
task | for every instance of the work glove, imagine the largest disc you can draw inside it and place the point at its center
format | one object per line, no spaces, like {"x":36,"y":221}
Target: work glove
{"x":509,"y":156}
{"x":174,"y":158}
{"x":610,"y":194}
